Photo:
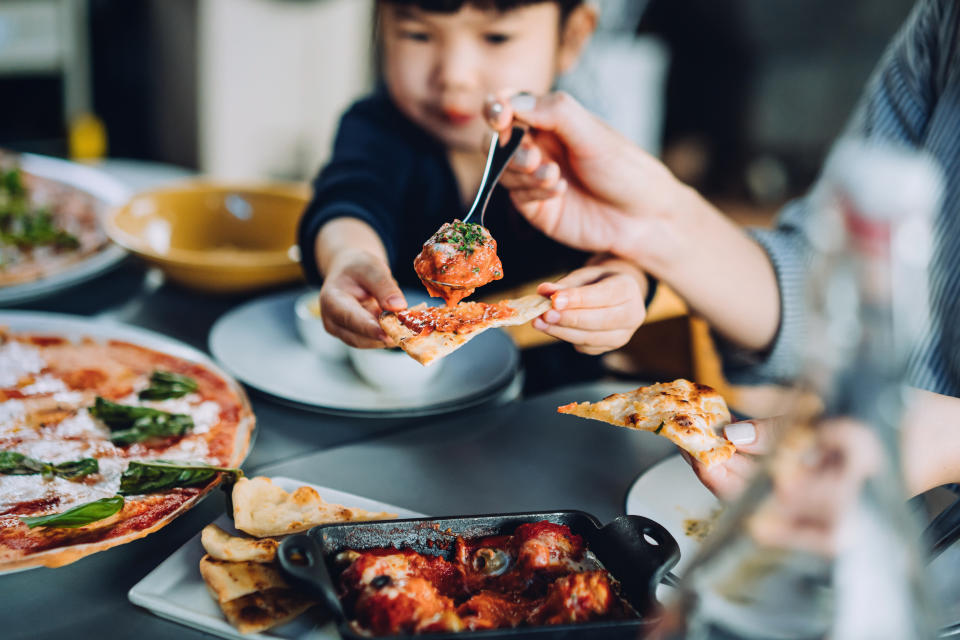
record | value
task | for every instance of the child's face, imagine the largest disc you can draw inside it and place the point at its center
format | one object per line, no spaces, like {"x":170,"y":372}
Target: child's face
{"x":439,"y":67}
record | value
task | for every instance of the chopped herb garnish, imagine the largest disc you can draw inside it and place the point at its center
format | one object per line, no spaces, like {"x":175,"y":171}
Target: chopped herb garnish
{"x":467,"y":236}
{"x":166,"y":384}
{"x":660,"y":428}
{"x":476,"y":269}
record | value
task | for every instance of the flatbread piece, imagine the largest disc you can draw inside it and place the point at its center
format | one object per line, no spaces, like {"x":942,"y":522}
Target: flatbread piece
{"x":253,"y":595}
{"x":220,"y":545}
{"x":262,"y":508}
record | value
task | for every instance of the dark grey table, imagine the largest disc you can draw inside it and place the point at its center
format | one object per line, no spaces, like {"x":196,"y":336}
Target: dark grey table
{"x":520,"y":457}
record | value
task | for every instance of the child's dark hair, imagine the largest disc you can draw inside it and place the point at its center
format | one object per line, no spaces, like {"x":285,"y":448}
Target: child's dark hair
{"x":452,"y":6}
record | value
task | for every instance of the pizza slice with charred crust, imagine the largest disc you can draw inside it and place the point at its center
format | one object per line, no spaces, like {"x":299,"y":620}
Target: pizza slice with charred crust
{"x":430,"y":333}
{"x":686,"y":413}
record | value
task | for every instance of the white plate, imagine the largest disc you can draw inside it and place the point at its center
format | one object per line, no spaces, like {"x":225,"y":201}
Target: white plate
{"x":176,"y":591}
{"x":259,"y":344}
{"x":670,"y":493}
{"x":101,"y":186}
{"x":75,"y":327}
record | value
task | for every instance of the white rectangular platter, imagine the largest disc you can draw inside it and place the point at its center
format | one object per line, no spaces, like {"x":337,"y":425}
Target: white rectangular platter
{"x":175,"y":590}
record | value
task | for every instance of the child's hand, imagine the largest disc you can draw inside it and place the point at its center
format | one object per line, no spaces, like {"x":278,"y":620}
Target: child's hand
{"x":358,"y":286}
{"x":597,"y":308}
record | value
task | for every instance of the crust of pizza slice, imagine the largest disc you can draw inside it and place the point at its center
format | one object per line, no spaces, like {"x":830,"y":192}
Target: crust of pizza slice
{"x":686,"y":413}
{"x":427,"y":348}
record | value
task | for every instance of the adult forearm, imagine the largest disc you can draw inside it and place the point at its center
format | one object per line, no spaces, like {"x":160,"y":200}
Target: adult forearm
{"x":931,"y":442}
{"x":722,"y":273}
{"x":342,"y":235}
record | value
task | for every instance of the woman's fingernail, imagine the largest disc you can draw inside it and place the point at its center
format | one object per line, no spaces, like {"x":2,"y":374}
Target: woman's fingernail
{"x":543,"y":172}
{"x":539,"y":324}
{"x":494,"y":108}
{"x":560,"y":302}
{"x":396,"y":301}
{"x":740,"y":433}
{"x":523,"y":102}
{"x":551,"y":316}
{"x":522,"y":156}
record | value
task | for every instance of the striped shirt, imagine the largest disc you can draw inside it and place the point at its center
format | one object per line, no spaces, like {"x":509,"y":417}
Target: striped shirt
{"x":912,"y":99}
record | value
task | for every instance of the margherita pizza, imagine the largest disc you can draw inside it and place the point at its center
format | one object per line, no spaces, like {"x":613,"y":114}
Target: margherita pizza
{"x":686,"y":413}
{"x":103,"y":442}
{"x":430,"y":333}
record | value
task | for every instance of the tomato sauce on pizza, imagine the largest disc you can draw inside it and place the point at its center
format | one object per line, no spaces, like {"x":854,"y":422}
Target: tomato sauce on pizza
{"x":459,"y":319}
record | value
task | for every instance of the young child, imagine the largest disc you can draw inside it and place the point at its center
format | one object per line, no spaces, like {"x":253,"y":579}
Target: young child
{"x":410,"y":157}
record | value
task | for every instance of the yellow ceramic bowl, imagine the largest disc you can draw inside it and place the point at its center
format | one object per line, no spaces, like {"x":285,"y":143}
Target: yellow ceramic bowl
{"x":215,"y":237}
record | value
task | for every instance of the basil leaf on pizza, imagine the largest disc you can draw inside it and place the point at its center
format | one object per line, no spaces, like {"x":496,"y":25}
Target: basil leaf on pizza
{"x":160,"y":475}
{"x":138,"y":424}
{"x":166,"y":384}
{"x":13,"y":463}
{"x":25,"y":225}
{"x":79,"y":516}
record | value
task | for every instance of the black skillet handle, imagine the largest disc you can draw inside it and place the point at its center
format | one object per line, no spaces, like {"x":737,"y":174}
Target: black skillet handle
{"x":944,"y":530}
{"x":639,"y":552}
{"x":301,"y":560}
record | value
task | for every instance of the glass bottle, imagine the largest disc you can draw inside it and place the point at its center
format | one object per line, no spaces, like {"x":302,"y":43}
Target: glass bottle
{"x":821,"y":543}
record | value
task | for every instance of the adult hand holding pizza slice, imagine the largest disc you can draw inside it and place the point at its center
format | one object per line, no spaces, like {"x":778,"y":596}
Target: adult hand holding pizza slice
{"x":688,"y":414}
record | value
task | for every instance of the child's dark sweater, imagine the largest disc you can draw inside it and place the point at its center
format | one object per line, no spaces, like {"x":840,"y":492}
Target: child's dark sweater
{"x":395,"y":177}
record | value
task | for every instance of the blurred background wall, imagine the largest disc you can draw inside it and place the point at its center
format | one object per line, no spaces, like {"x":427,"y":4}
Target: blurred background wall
{"x":741,"y":97}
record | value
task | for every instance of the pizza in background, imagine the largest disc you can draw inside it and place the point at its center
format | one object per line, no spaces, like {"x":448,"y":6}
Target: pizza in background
{"x":104,"y":441}
{"x":45,"y":226}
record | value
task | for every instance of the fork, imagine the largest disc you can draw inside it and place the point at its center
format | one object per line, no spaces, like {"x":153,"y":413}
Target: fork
{"x":497,"y":160}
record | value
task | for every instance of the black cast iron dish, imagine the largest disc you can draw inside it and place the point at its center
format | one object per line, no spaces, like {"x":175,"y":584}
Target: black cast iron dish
{"x":635,"y":550}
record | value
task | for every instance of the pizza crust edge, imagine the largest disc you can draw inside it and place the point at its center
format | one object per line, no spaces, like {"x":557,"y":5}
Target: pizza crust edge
{"x":61,"y":556}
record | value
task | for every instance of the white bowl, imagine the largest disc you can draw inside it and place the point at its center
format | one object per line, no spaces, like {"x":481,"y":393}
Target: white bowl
{"x":312,"y":331}
{"x":392,"y":370}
